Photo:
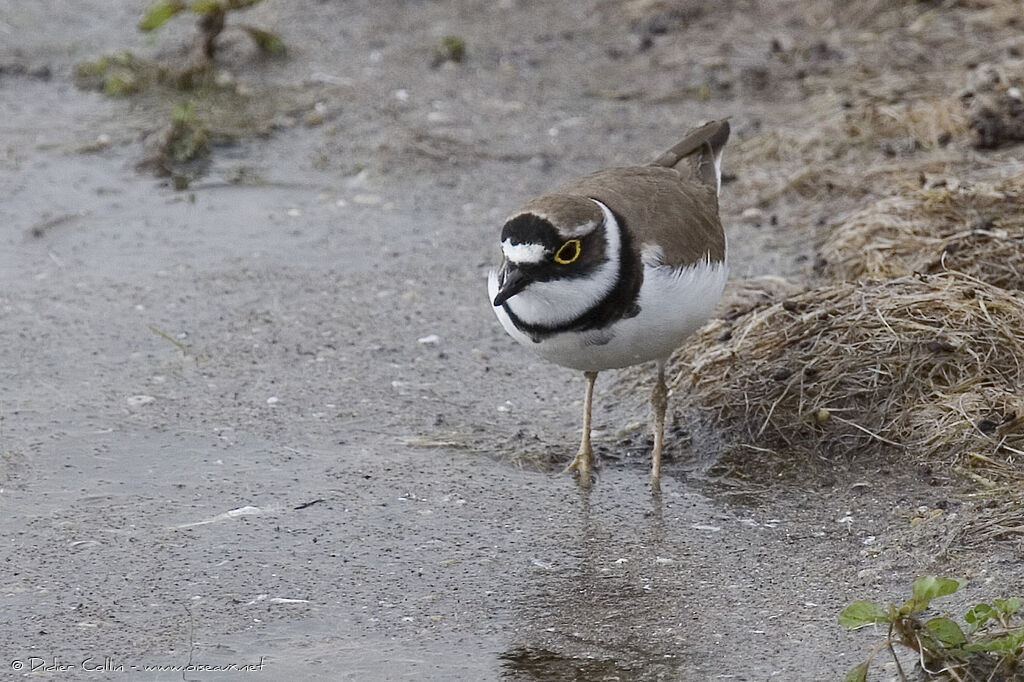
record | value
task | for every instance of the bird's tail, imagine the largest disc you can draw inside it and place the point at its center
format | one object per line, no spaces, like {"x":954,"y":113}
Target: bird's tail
{"x":702,"y":148}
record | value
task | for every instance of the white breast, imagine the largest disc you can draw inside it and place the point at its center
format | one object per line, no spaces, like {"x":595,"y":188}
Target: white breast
{"x":673,"y":304}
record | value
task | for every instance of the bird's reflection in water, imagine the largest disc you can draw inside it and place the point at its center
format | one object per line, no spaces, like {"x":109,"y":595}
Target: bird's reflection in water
{"x":612,"y":615}
{"x":525,"y":663}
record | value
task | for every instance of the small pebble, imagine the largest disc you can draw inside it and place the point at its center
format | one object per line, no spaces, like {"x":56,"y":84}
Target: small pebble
{"x":752,"y":216}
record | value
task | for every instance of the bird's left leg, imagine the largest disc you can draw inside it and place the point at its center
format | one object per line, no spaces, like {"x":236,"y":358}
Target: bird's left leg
{"x":659,"y":403}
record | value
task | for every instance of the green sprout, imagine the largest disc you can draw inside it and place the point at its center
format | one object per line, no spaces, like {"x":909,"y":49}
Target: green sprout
{"x":115,"y":75}
{"x":212,"y":17}
{"x":451,"y":49}
{"x":991,"y":642}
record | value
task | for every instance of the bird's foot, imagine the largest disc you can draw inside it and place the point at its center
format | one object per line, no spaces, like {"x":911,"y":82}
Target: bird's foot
{"x":581,"y":465}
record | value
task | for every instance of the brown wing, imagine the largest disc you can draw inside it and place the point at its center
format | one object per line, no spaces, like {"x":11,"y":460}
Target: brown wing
{"x":661,"y":207}
{"x":701,"y":149}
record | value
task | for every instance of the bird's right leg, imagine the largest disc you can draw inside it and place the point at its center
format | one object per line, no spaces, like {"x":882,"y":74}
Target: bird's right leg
{"x":584,"y":460}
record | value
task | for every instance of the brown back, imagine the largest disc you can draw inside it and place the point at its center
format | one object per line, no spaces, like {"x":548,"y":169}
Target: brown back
{"x":661,"y":206}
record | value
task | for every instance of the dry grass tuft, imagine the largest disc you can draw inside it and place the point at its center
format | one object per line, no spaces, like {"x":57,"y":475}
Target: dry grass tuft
{"x":743,"y":295}
{"x":926,"y":124}
{"x":976,"y":228}
{"x":923,"y":366}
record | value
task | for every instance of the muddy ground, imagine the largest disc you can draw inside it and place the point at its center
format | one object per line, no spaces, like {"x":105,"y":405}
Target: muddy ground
{"x":271,"y":420}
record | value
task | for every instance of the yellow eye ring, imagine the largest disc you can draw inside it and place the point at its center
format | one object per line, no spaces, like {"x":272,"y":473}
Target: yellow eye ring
{"x":568,"y":252}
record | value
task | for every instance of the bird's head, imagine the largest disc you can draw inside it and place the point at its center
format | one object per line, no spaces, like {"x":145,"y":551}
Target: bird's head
{"x":553,"y":239}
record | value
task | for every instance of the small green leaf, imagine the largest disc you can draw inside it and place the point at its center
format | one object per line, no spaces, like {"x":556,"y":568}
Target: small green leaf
{"x":120,"y":83}
{"x":160,"y":12}
{"x":1007,"y":607}
{"x":266,"y":41}
{"x":861,"y":613}
{"x":183,"y":113}
{"x":858,"y":673}
{"x":929,"y":587}
{"x":206,"y":6}
{"x":912,"y":606}
{"x":946,"y":632}
{"x":977,"y":616}
{"x":1010,"y":643}
{"x":453,"y":49}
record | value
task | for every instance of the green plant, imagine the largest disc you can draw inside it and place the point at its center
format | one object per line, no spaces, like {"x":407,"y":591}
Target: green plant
{"x":212,"y":16}
{"x":451,"y":49}
{"x":122,"y":73}
{"x":115,"y":75}
{"x":181,"y":149}
{"x":189,"y":139}
{"x":991,"y":642}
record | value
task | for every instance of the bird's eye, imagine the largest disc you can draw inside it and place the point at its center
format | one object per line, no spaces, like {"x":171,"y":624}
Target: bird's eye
{"x":568,"y":252}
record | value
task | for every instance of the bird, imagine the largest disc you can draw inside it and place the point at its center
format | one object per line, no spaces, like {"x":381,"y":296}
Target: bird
{"x":617,"y":268}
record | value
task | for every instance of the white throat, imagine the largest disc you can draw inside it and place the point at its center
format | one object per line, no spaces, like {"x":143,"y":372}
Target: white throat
{"x":557,"y":302}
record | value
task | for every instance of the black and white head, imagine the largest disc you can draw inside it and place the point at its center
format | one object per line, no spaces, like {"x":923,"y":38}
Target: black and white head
{"x":560,"y":258}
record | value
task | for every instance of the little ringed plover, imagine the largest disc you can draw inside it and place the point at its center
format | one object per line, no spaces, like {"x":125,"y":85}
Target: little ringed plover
{"x":617,"y":268}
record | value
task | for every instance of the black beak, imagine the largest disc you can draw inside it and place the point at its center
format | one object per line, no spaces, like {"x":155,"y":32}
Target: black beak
{"x":512,"y":282}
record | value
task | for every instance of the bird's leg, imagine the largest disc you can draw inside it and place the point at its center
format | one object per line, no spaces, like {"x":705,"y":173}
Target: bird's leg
{"x":583,"y":461}
{"x":659,"y":402}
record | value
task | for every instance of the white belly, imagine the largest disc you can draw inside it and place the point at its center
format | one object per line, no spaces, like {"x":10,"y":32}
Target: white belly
{"x":673,"y":305}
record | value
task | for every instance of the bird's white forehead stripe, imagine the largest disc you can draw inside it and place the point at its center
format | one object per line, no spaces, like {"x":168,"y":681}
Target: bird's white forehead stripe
{"x":524,"y":253}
